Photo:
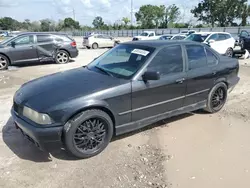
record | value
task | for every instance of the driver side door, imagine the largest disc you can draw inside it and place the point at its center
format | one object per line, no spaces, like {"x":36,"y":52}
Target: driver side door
{"x":23,"y":50}
{"x":153,"y":97}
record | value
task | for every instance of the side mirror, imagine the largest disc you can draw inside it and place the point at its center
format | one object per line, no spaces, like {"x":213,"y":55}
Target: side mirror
{"x":13,"y":44}
{"x":211,"y":41}
{"x":151,"y":75}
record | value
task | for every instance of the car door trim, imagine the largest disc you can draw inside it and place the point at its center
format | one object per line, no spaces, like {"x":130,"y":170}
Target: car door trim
{"x":163,"y":102}
{"x":198,"y":92}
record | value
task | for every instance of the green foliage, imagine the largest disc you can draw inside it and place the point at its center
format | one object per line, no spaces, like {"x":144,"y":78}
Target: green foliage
{"x":98,"y":22}
{"x":220,"y":12}
{"x":70,"y":23}
{"x":125,"y":20}
{"x":172,"y":14}
{"x":150,"y":16}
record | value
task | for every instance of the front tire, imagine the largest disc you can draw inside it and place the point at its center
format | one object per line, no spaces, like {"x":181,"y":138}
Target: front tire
{"x":217,"y":98}
{"x":88,"y":133}
{"x":4,"y":62}
{"x":229,"y":52}
{"x":62,"y":57}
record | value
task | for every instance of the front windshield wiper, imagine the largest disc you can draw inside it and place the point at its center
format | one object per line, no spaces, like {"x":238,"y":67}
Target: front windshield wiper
{"x":103,"y":70}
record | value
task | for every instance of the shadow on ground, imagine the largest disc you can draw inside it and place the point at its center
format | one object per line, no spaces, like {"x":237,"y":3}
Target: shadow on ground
{"x":24,"y":149}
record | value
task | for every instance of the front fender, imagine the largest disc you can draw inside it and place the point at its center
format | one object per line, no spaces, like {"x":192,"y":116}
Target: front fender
{"x":70,"y":108}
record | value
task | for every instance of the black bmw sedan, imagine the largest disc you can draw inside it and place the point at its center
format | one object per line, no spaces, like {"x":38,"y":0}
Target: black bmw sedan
{"x":128,"y":87}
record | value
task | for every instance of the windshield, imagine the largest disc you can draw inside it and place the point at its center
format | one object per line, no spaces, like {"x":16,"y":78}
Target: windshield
{"x":6,"y":40}
{"x":197,"y":37}
{"x":144,"y":34}
{"x":123,"y":61}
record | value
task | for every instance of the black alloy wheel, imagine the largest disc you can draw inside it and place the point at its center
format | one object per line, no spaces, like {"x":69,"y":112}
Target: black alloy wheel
{"x":217,"y":98}
{"x":88,"y":133}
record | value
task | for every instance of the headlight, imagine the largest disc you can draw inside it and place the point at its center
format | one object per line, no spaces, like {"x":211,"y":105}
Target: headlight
{"x":39,"y":118}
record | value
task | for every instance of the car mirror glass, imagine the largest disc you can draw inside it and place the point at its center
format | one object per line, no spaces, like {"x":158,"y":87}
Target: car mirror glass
{"x":151,"y":75}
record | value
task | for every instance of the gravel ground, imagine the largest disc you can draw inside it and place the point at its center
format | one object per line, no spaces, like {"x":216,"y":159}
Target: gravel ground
{"x":192,"y":150}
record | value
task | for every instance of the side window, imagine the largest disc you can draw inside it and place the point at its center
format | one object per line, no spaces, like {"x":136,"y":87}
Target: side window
{"x":44,"y":38}
{"x":100,"y":37}
{"x":227,"y":36}
{"x":196,"y":56}
{"x":24,"y":40}
{"x":211,"y":58}
{"x":151,"y":35}
{"x":221,"y":37}
{"x":168,"y":60}
{"x":244,"y":34}
{"x":213,"y":37}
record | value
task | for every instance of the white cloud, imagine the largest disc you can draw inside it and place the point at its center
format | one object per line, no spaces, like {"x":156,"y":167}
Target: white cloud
{"x":8,"y":3}
{"x":86,"y":3}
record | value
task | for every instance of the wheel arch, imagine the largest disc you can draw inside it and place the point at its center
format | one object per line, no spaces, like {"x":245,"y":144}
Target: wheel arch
{"x":65,"y":51}
{"x":92,"y":107}
{"x":6,"y":57}
{"x":219,"y":80}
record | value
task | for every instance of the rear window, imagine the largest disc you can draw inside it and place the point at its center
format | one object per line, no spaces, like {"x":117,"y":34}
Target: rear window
{"x":197,"y":37}
{"x":44,"y":38}
{"x":62,"y":38}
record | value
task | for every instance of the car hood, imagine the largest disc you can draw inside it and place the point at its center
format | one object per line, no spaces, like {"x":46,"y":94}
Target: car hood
{"x":52,"y":90}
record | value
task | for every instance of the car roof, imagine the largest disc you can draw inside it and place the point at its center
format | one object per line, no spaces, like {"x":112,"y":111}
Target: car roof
{"x":204,"y":32}
{"x":160,"y":43}
{"x":40,"y":33}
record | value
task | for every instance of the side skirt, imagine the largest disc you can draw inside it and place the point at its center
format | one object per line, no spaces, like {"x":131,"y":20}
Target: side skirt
{"x":150,"y":120}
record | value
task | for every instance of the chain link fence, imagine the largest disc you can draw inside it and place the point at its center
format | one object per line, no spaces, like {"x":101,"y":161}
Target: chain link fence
{"x":131,"y":33}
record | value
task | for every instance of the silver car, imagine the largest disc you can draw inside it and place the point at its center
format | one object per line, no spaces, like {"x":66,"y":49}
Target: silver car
{"x":98,"y":41}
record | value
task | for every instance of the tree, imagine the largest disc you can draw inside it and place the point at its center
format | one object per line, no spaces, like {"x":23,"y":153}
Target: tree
{"x":7,"y":23}
{"x":150,"y":16}
{"x":125,"y":20}
{"x":221,"y":12}
{"x":45,"y":24}
{"x":245,"y":14}
{"x":172,"y":13}
{"x":98,"y":22}
{"x":70,"y":23}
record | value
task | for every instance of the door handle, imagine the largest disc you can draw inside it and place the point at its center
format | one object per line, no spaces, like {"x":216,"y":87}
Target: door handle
{"x":214,"y":73}
{"x":180,"y":81}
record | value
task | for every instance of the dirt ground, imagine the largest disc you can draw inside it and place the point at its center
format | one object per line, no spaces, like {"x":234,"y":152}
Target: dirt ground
{"x":189,"y":151}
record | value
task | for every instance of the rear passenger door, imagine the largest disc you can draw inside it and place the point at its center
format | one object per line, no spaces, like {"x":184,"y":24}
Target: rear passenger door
{"x":200,"y":73}
{"x":45,"y":45}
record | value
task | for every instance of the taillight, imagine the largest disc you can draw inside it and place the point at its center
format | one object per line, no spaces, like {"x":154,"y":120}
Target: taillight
{"x":73,"y":44}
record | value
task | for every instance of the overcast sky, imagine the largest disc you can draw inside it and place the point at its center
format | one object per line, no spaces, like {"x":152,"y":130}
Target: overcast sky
{"x":85,"y":10}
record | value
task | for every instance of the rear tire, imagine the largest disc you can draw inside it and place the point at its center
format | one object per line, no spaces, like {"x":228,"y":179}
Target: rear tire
{"x":62,"y":57}
{"x":88,"y":133}
{"x":216,"y":98}
{"x":4,"y":62}
{"x":95,"y":46}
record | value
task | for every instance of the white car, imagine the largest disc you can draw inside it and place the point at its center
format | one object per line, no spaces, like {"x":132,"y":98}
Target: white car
{"x":221,"y":42}
{"x":178,"y":37}
{"x":98,"y":41}
{"x":147,"y":35}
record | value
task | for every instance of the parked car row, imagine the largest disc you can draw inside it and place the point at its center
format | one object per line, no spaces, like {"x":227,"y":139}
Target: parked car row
{"x":37,"y":47}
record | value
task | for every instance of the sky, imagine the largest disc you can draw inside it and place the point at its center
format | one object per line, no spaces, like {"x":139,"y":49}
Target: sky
{"x":85,"y":10}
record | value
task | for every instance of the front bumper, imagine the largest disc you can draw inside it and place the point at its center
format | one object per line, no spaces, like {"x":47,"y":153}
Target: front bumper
{"x":45,"y":138}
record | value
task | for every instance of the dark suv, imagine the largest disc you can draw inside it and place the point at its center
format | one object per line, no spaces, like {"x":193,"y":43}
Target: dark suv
{"x":35,"y":47}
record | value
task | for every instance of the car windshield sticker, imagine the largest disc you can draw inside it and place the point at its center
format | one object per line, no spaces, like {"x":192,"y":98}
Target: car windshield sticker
{"x":140,"y":52}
